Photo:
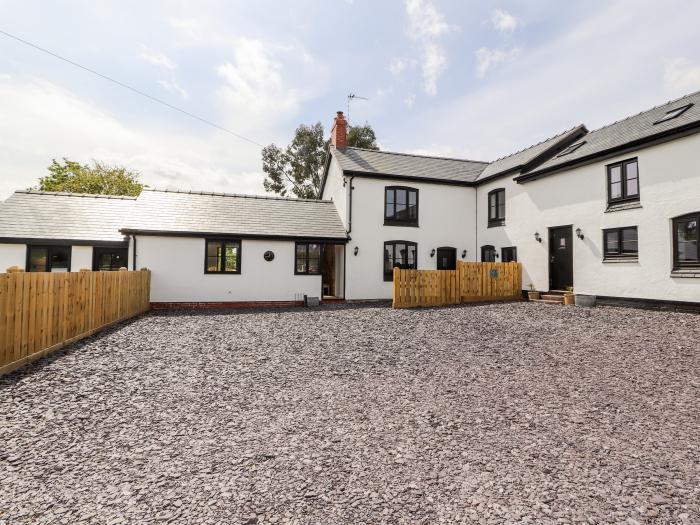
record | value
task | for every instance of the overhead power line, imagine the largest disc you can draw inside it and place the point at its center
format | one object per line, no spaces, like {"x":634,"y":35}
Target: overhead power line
{"x":130,"y":88}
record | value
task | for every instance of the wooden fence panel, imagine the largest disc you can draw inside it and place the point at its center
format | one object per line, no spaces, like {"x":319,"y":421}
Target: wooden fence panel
{"x":41,"y":312}
{"x":468,"y":283}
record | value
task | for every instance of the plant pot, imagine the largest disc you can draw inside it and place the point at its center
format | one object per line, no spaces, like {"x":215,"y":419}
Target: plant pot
{"x":533,"y":295}
{"x":568,"y":298}
{"x":585,"y":300}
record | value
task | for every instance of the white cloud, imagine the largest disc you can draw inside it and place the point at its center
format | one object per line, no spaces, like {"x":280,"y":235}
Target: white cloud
{"x":410,"y":100}
{"x":503,"y":21}
{"x":173,"y":87}
{"x":42,"y":121}
{"x":157,"y":59}
{"x":487,"y":59}
{"x":398,"y":66}
{"x":681,"y":76}
{"x":427,"y":24}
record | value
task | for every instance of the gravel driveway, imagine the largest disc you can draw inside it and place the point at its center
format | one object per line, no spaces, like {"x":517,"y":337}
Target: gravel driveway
{"x":510,"y":413}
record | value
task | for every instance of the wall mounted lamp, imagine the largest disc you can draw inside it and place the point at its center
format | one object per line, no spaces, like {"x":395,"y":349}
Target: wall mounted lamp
{"x":579,"y":233}
{"x":537,"y":237}
{"x":432,"y":252}
{"x":464,"y":253}
{"x":357,"y":249}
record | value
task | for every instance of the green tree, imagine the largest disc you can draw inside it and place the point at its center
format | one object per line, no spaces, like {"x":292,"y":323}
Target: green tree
{"x":298,"y":168}
{"x":362,"y":137}
{"x":98,"y":178}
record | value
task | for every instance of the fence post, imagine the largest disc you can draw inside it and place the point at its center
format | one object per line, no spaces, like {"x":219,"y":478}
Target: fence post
{"x":14,"y":269}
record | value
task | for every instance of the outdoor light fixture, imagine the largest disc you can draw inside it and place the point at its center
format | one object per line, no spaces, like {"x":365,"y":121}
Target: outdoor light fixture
{"x":357,"y":249}
{"x":579,"y":233}
{"x":537,"y":237}
{"x":432,"y":252}
{"x":464,"y":253}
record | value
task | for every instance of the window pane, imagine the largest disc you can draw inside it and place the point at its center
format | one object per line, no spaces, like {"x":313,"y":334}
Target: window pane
{"x":629,"y":240}
{"x":314,"y":251}
{"x":631,"y":170}
{"x":400,"y":255}
{"x":615,"y":174}
{"x":314,"y":266}
{"x":213,"y":264}
{"x":59,"y":258}
{"x":401,"y":205}
{"x":687,"y":238}
{"x":632,"y":187}
{"x":38,"y":257}
{"x":413,"y":205}
{"x":301,"y":265}
{"x":388,"y":258}
{"x":390,"y":210}
{"x":390,"y":196}
{"x":213,"y":249}
{"x":612,"y":244}
{"x":502,"y":209}
{"x":616,"y":190}
{"x":411,"y":256}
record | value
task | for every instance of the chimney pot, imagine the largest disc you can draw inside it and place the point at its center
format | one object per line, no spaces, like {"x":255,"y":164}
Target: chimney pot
{"x":339,"y":133}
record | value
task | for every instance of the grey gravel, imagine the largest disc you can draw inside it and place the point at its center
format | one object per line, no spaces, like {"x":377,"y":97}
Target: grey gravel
{"x":499,"y":413}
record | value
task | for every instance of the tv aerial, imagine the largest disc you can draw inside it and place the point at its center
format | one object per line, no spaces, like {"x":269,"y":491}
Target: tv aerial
{"x":351,"y":97}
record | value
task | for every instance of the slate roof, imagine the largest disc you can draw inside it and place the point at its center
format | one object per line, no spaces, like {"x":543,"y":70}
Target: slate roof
{"x":231,"y":214}
{"x":525,"y":157}
{"x":637,"y":128}
{"x":69,"y":216}
{"x":363,"y":161}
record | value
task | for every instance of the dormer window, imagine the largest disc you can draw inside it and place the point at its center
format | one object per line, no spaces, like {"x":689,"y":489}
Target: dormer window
{"x":623,"y":181}
{"x":400,"y":206}
{"x":674,"y":113}
{"x":497,"y":207}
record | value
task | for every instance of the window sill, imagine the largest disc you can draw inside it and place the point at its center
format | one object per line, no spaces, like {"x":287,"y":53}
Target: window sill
{"x":621,"y":206}
{"x":404,"y":224}
{"x":222,"y":273}
{"x":618,"y":260}
{"x":687,"y":273}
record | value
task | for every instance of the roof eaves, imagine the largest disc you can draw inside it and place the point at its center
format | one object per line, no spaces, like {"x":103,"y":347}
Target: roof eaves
{"x":433,"y":180}
{"x":178,"y":233}
{"x":644,"y":142}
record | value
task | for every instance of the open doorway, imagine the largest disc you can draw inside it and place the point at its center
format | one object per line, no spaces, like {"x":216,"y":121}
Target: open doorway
{"x":332,"y":261}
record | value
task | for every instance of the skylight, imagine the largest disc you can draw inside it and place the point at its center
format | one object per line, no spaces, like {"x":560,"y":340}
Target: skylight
{"x":673,"y":113}
{"x":572,"y":148}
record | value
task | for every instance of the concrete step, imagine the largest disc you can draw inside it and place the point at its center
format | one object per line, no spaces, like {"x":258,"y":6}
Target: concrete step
{"x":546,"y":301}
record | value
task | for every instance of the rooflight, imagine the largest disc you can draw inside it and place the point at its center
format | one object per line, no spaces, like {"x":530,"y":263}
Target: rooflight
{"x":674,"y":113}
{"x":572,"y":148}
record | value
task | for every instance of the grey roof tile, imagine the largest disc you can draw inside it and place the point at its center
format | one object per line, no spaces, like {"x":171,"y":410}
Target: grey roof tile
{"x":526,"y":156}
{"x":70,"y":216}
{"x":635,"y":128}
{"x":232,"y":214}
{"x":389,"y":163}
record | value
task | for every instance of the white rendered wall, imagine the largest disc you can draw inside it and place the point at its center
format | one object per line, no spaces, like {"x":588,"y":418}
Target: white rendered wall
{"x":669,"y":178}
{"x":80,"y":257}
{"x":337,"y":190}
{"x":445,"y":218}
{"x":12,"y":255}
{"x":177,"y":272}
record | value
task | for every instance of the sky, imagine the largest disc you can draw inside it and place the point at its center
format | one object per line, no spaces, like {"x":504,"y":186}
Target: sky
{"x":466,"y":79}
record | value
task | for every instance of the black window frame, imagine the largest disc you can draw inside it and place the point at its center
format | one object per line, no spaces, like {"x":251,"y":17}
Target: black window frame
{"x":498,"y":219}
{"x":619,"y":254}
{"x":306,"y":258}
{"x":514,"y":252}
{"x":98,"y":250}
{"x":625,"y":197}
{"x":677,"y":264}
{"x":223,"y":241}
{"x":491,"y":248}
{"x":393,"y":221}
{"x":389,"y":275}
{"x":49,"y":248}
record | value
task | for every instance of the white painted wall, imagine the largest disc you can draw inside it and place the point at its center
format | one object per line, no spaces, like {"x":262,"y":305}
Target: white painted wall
{"x":669,"y":177}
{"x":80,"y":257}
{"x":177,"y":272}
{"x":336,"y":190}
{"x":12,"y":255}
{"x":445,"y":218}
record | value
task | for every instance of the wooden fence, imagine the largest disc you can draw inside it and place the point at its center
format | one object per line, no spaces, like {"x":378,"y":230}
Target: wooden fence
{"x":468,"y":283}
{"x":41,"y":312}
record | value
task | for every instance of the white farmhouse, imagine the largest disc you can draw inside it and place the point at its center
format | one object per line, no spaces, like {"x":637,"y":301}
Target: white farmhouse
{"x":613,"y":212}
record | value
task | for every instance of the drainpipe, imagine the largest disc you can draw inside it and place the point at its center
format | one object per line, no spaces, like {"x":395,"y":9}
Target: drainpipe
{"x":345,"y":248}
{"x":350,"y":205}
{"x":133,"y":255}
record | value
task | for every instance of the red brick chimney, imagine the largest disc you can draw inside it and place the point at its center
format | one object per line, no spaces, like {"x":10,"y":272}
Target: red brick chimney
{"x":339,"y":133}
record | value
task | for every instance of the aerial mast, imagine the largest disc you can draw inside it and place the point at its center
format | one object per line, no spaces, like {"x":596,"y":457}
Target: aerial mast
{"x":351,"y":97}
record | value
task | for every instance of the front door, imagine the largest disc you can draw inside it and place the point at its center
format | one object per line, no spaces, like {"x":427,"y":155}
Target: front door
{"x":446,"y":258}
{"x":561,"y":260}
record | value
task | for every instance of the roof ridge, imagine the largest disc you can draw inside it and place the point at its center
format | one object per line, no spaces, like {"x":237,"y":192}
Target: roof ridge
{"x":72,"y":194}
{"x":239,"y":195}
{"x":646,"y":111}
{"x":415,"y":155}
{"x":540,"y":142}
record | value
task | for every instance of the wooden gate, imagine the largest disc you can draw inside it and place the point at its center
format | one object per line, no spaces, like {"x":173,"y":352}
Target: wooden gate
{"x":468,"y":283}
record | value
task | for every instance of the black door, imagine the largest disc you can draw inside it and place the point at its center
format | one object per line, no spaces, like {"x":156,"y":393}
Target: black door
{"x":561,"y":260}
{"x":446,"y":258}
